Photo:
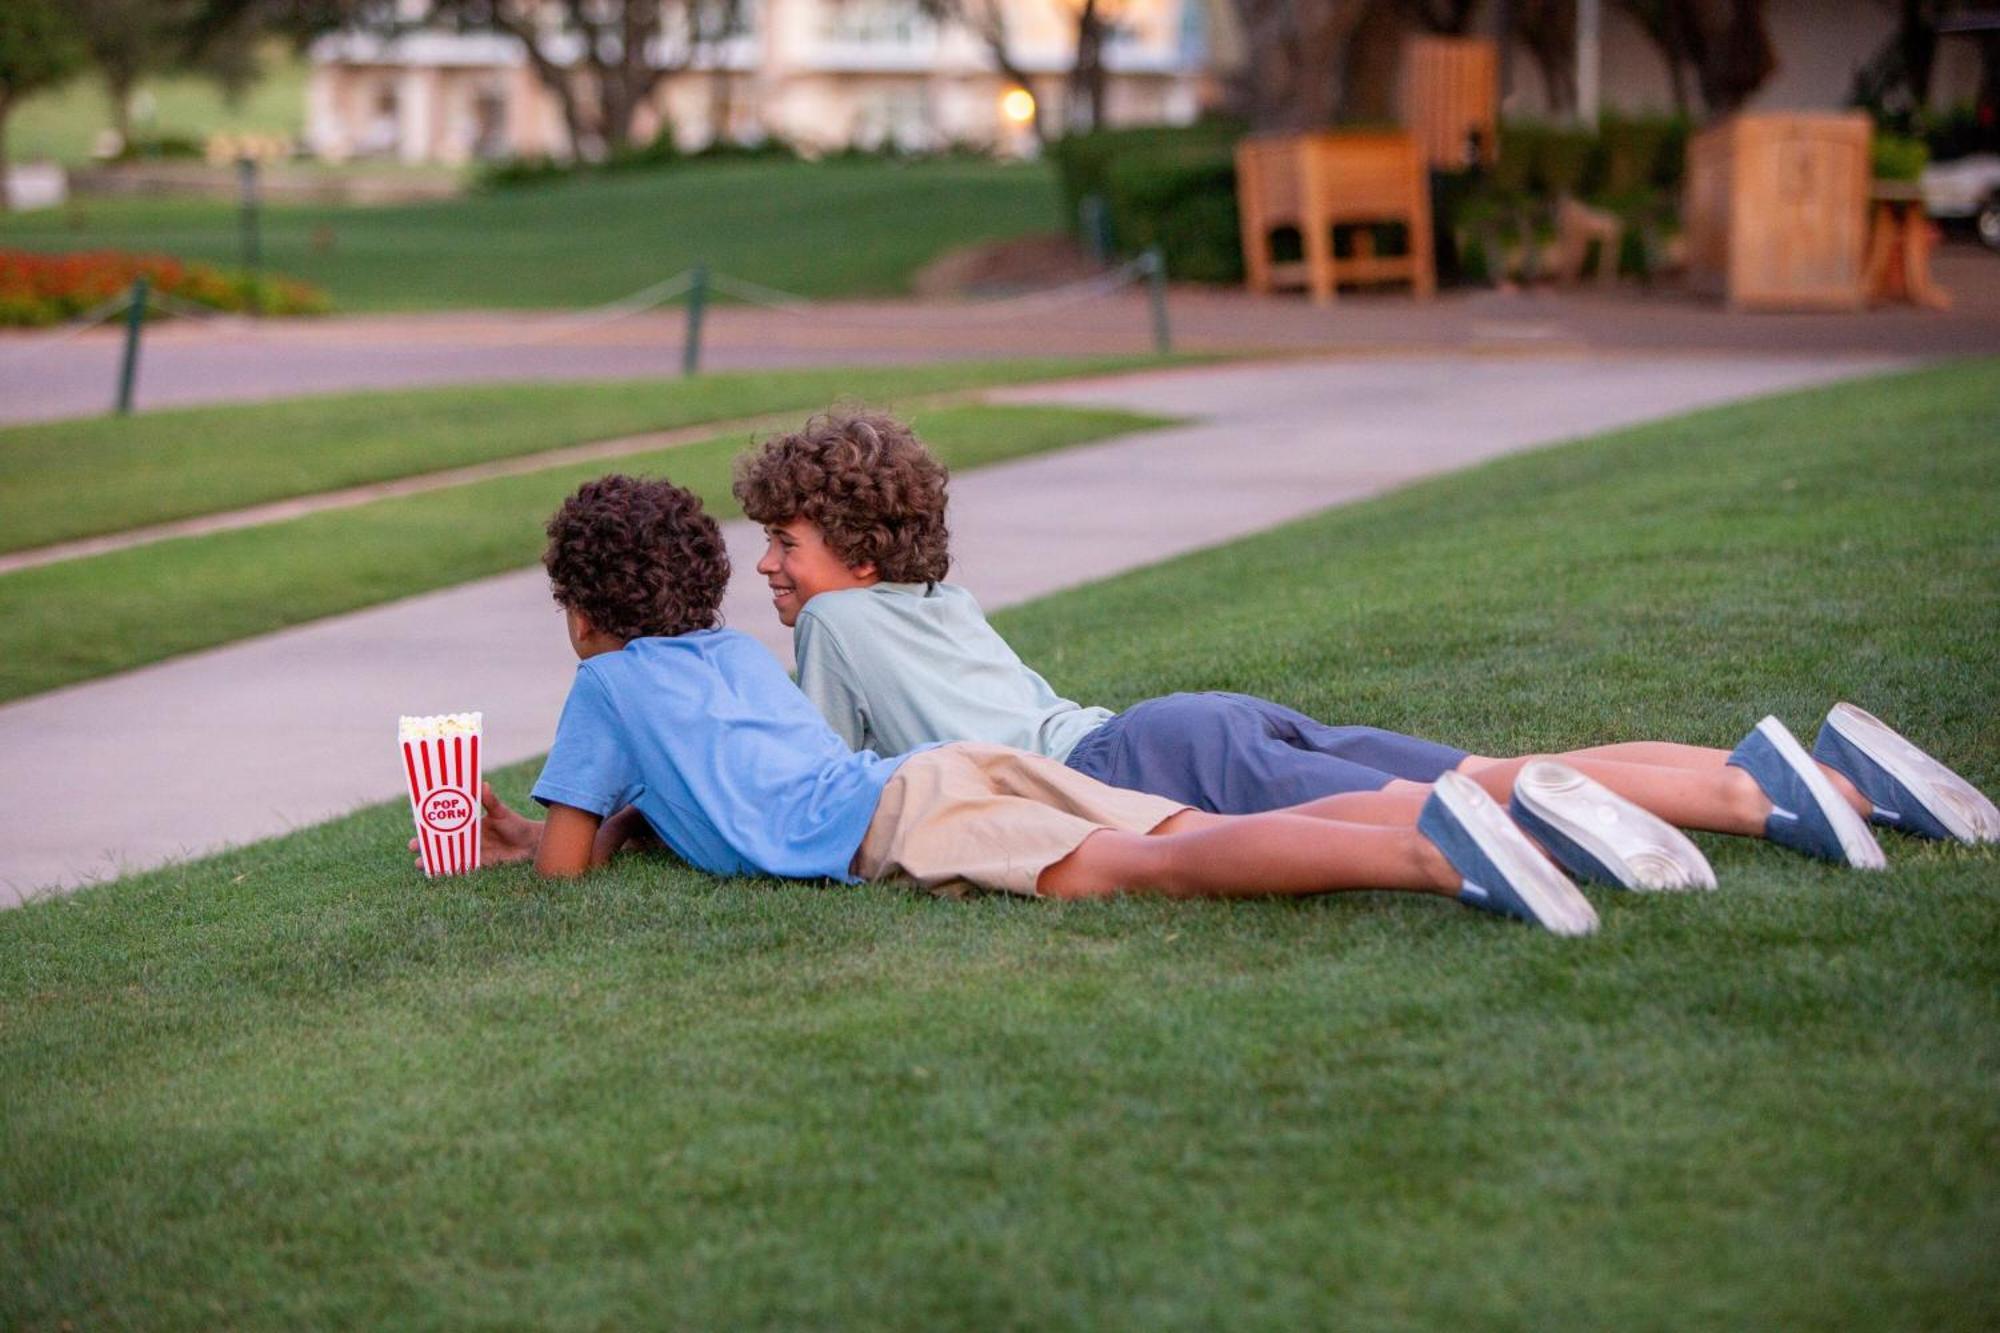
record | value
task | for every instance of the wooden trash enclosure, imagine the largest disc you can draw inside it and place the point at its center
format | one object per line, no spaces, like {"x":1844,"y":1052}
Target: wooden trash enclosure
{"x":1450,"y":94}
{"x":1776,"y":210}
{"x":1317,"y":182}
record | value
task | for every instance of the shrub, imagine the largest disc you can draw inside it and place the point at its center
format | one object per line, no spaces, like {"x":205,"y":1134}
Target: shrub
{"x":1083,"y":161}
{"x":1641,"y":152}
{"x":661,"y":153}
{"x":1182,"y":199}
{"x":515,"y":172}
{"x":1960,"y":132}
{"x":40,"y":289}
{"x":160,"y":148}
{"x":1898,"y":158}
{"x":1174,"y":187}
{"x":772,"y":149}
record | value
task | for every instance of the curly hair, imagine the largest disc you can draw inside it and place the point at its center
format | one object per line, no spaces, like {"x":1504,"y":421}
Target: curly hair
{"x":637,"y":558}
{"x":869,"y":485}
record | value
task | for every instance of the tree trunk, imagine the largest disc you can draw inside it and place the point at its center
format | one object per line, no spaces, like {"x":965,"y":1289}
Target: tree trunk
{"x":118,"y":88}
{"x":1371,"y":66}
{"x":1988,"y":102}
{"x":1293,"y":79}
{"x":1086,"y":81}
{"x":1734,"y":62}
{"x":6,"y":189}
{"x":1918,"y":40}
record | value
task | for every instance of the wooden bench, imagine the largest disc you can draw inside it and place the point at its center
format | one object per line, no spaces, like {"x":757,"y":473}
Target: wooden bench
{"x":1318,"y":182}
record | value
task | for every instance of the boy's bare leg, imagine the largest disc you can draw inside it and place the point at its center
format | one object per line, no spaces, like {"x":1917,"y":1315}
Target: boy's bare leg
{"x":1688,"y":794}
{"x":1661,"y":754}
{"x":1281,"y":853}
{"x":1713,"y":795}
{"x":1699,"y":758}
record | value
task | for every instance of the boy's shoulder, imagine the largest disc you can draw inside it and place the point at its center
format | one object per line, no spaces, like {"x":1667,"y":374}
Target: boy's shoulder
{"x":676,"y":661}
{"x":907,"y":602}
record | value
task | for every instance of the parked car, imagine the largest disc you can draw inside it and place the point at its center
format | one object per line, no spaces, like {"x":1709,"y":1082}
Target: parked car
{"x":1967,"y":190}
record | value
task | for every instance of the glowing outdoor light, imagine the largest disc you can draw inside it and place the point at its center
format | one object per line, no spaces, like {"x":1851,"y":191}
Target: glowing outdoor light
{"x":1018,"y":105}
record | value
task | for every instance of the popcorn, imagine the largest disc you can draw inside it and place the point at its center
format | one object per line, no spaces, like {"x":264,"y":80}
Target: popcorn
{"x":441,"y":759}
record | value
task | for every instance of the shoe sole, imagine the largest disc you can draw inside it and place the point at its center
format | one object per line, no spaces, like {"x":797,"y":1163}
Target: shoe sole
{"x":1857,"y":844}
{"x":1558,"y":907}
{"x":1955,"y":803}
{"x":1644,"y":851}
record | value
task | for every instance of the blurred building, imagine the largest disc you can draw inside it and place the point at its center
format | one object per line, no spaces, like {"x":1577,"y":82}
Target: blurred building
{"x":820,"y":74}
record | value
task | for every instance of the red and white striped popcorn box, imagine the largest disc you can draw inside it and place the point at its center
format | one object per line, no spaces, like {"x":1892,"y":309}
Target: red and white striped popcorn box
{"x":441,"y":759}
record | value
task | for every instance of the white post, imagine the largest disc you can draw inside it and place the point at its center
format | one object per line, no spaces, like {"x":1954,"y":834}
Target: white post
{"x":1589,"y":60}
{"x":416,"y":109}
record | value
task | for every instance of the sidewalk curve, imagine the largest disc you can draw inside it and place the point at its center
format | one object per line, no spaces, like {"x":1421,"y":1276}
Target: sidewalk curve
{"x":261,"y":737}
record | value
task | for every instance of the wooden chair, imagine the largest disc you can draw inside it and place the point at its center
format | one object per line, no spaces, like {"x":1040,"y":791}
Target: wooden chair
{"x":1317,"y":182}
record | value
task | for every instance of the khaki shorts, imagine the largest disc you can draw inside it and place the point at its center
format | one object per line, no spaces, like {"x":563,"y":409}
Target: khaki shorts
{"x":993,"y":817}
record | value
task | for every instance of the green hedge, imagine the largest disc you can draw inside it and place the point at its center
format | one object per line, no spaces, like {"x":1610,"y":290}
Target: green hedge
{"x":1176,"y":187}
{"x":1173,"y":187}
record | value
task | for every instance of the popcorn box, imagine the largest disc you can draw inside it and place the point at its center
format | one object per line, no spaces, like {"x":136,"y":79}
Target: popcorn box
{"x":441,"y":758}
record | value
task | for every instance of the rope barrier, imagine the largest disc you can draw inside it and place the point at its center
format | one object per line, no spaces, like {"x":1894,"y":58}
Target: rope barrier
{"x":996,"y":308}
{"x":201,"y":314}
{"x":62,"y":333}
{"x":610,"y":312}
{"x":697,"y":281}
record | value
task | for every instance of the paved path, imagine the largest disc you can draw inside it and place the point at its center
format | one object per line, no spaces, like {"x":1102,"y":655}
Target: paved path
{"x":283,"y":731}
{"x":186,"y":363}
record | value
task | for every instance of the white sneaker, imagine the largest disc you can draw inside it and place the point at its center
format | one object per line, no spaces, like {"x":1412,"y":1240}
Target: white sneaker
{"x":1598,"y":835}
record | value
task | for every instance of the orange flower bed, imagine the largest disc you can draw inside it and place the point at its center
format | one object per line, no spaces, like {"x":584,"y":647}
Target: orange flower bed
{"x":38,"y":289}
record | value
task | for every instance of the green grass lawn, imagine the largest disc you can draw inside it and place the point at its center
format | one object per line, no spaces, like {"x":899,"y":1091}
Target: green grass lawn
{"x":71,"y":621}
{"x":295,"y":1085}
{"x":64,"y":123}
{"x":829,"y":229}
{"x":68,"y":479}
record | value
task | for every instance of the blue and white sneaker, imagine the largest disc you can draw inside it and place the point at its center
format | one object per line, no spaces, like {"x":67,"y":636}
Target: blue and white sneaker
{"x":1599,"y":836}
{"x":1910,"y":790}
{"x":1807,"y":814}
{"x":1501,"y":870}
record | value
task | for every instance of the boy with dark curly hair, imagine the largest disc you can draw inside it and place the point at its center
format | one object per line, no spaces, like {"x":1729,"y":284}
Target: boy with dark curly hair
{"x":853,"y":507}
{"x":683,"y":731}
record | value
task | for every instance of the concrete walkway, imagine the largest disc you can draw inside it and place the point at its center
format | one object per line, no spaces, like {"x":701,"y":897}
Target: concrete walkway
{"x":186,"y":363}
{"x":269,"y":735}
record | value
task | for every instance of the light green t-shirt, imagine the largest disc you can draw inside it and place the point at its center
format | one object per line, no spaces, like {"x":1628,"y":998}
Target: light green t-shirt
{"x":897,"y":665}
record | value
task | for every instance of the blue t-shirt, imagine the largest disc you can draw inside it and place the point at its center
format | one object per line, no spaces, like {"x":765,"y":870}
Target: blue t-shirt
{"x":729,"y":763}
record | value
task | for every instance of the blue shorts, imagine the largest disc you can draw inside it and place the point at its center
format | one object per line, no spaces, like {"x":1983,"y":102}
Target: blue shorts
{"x":1235,"y":755}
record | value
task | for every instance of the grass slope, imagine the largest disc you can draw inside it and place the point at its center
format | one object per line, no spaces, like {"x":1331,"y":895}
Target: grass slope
{"x":67,"y":479}
{"x":64,"y":122}
{"x":78,"y":619}
{"x":293,"y":1085}
{"x":825,"y":229}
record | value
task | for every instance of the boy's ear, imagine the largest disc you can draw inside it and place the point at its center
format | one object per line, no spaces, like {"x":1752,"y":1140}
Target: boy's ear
{"x":865,"y":570}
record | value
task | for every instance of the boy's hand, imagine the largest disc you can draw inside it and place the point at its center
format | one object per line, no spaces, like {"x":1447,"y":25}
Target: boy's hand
{"x":504,"y":834}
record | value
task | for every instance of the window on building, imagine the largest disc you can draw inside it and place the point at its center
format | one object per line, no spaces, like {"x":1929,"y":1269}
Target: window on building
{"x":875,"y":22}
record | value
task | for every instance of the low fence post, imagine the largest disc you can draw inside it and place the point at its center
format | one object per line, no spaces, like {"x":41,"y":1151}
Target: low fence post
{"x":135,"y":318}
{"x":1154,"y":265}
{"x":248,"y":204}
{"x":1094,"y":221}
{"x":697,"y":299}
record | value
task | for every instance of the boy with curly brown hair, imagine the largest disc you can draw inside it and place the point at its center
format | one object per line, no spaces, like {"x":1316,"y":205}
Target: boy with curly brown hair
{"x":853,"y":507}
{"x":680,"y":730}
